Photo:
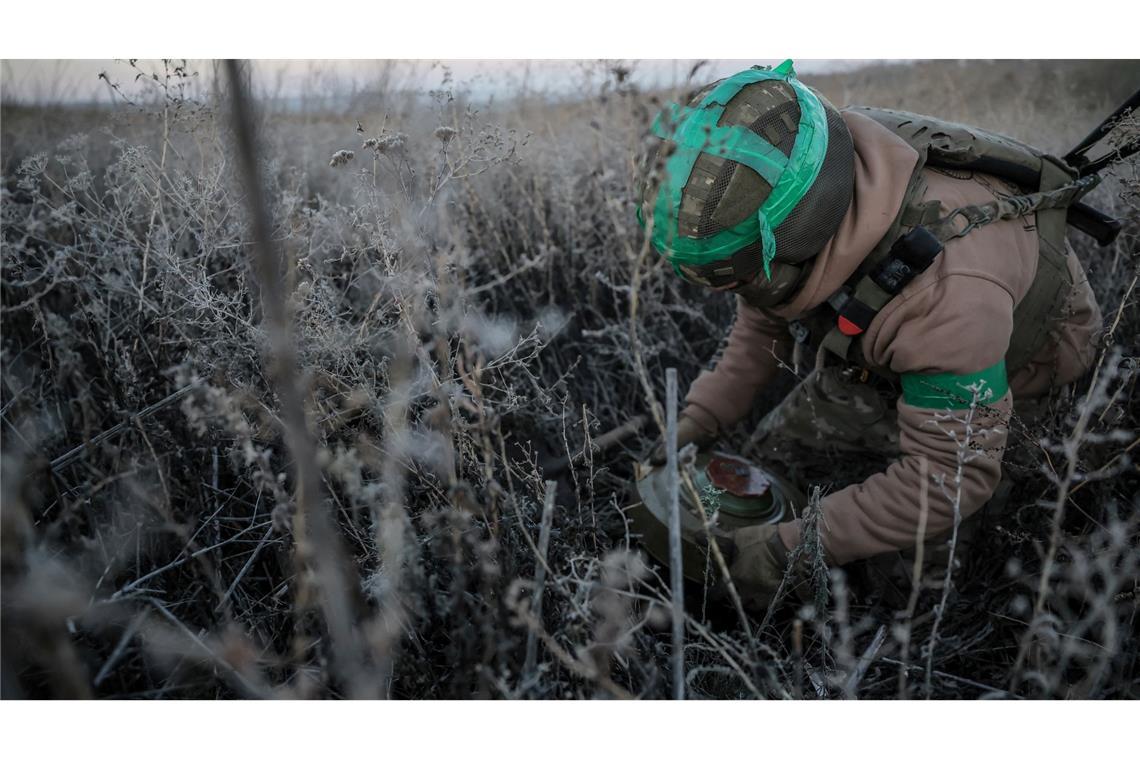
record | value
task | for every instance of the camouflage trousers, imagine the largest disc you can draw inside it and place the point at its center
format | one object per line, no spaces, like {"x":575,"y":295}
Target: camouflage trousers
{"x":836,"y":409}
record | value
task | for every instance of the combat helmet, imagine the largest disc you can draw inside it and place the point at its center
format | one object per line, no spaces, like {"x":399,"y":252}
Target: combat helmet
{"x":755,"y":173}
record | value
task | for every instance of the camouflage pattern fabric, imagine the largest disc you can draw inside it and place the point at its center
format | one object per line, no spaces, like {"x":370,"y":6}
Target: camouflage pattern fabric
{"x":832,"y":410}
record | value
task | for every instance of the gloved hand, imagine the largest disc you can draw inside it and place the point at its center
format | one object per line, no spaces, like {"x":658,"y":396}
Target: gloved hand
{"x":757,"y":563}
{"x":688,"y":432}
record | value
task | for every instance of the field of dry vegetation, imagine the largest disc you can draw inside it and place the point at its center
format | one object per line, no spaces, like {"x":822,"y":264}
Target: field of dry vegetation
{"x":470,"y":300}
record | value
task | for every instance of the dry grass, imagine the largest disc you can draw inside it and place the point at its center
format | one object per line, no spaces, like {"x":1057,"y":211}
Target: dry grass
{"x":469,"y":300}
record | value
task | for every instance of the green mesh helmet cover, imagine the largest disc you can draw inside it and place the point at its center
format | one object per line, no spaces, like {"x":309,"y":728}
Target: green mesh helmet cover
{"x":694,"y":130}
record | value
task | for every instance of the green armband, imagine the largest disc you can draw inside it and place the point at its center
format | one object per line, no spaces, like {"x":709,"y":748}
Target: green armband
{"x":948,"y":391}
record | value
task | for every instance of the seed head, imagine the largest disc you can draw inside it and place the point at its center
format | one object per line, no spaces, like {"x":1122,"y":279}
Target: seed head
{"x":444,"y":134}
{"x":393,"y":143}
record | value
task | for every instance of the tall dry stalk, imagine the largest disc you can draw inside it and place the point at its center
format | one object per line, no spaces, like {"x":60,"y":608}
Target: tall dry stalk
{"x":319,"y":544}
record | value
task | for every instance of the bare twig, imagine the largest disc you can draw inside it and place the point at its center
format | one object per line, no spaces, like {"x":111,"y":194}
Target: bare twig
{"x":181,"y":560}
{"x":540,"y":573}
{"x":250,"y":689}
{"x":65,"y":459}
{"x":1071,"y":447}
{"x":121,"y":647}
{"x":321,"y":546}
{"x":950,"y":677}
{"x":676,"y":572}
{"x":245,"y":568}
{"x":963,"y":455}
{"x":916,"y":570}
{"x":865,"y":661}
{"x":600,"y":444}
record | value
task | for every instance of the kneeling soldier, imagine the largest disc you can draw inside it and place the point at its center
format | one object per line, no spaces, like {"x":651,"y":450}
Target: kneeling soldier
{"x":926,"y":256}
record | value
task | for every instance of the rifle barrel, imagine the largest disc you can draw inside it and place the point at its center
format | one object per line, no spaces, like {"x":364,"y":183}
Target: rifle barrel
{"x":1075,"y":157}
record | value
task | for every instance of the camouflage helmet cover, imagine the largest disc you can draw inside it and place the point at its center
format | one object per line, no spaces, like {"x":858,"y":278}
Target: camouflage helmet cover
{"x":725,"y":204}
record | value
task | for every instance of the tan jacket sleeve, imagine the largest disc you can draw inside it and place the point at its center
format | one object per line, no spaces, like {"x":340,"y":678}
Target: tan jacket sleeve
{"x":756,"y":345}
{"x":951,"y":460}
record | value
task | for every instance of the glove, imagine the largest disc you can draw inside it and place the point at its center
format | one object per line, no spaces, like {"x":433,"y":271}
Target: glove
{"x":757,"y":565}
{"x":688,"y":432}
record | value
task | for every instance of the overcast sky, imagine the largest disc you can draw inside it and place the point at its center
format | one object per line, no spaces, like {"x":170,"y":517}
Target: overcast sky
{"x":72,"y":81}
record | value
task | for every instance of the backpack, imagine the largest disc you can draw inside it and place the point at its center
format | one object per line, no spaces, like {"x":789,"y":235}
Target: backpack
{"x":1052,"y":189}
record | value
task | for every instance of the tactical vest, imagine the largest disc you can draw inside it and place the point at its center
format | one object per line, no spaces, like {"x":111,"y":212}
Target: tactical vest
{"x":918,"y":232}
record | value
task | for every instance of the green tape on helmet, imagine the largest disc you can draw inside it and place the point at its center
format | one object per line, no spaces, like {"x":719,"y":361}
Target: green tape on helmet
{"x":695,"y":130}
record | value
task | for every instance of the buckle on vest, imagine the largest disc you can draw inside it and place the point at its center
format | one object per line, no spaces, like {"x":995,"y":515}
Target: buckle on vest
{"x":799,"y":331}
{"x":974,"y":216}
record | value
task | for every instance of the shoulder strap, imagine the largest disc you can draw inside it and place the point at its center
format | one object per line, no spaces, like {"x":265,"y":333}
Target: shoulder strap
{"x":961,"y":221}
{"x":912,"y":212}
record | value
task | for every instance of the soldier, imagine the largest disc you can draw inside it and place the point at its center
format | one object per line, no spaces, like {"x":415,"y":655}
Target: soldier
{"x":871,"y":239}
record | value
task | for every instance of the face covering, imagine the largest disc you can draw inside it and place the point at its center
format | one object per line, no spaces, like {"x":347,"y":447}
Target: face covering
{"x":763,"y":293}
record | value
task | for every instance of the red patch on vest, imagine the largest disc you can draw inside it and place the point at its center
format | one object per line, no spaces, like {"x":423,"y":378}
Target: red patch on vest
{"x":849,"y":328}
